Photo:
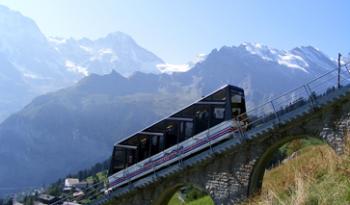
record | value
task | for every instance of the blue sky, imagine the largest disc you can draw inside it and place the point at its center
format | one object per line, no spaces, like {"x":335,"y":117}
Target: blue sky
{"x":178,"y":30}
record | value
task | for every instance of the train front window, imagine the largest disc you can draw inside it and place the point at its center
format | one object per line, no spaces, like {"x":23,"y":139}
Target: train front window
{"x":119,"y":159}
{"x":236,"y":104}
{"x":236,"y":98}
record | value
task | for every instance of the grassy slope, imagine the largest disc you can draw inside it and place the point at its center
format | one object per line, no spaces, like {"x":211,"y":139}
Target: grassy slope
{"x":315,"y":176}
{"x":206,"y":200}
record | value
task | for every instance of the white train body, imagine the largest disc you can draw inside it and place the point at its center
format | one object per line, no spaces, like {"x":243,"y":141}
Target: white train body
{"x":173,"y":154}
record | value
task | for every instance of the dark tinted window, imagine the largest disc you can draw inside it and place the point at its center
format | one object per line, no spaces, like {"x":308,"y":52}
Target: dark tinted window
{"x":188,"y":129}
{"x":119,"y":159}
{"x":218,"y":115}
{"x":130,"y":157}
{"x":154,"y":144}
{"x":170,"y":135}
{"x":201,"y":119}
{"x":143,"y":149}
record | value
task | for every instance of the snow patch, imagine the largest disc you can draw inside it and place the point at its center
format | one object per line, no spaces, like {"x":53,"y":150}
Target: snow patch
{"x":71,"y":66}
{"x":170,"y":68}
{"x":293,"y":61}
{"x":281,"y":57}
{"x":104,"y":53}
{"x":199,"y":58}
{"x":86,"y":49}
{"x":57,"y":40}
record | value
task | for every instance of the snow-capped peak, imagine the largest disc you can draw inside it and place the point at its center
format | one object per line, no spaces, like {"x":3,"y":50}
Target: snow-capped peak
{"x":116,"y":51}
{"x":173,"y":68}
{"x":282,"y":57}
{"x":313,"y":55}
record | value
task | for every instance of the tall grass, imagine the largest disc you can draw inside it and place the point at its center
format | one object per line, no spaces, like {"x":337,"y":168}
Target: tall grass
{"x":316,"y":176}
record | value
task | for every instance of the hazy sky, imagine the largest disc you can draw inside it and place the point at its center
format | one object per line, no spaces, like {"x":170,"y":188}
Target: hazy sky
{"x":178,"y":30}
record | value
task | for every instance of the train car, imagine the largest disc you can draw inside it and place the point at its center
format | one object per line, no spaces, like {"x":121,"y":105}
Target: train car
{"x":194,"y":128}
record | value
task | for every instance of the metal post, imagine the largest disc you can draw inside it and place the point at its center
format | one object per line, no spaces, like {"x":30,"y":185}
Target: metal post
{"x":154,"y":172}
{"x":241,"y":132}
{"x":179,"y":156}
{"x":339,"y":66}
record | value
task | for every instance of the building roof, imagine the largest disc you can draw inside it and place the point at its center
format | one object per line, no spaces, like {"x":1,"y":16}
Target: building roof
{"x":46,"y":197}
{"x":68,"y":182}
{"x":70,"y":203}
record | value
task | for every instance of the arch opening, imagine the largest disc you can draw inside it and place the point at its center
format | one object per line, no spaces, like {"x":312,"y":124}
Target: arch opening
{"x":284,"y":160}
{"x":183,"y":194}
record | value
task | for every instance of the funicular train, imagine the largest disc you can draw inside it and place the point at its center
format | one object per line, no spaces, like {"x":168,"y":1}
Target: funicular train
{"x":193,"y":129}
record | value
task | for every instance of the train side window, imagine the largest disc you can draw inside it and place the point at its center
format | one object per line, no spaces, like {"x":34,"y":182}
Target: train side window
{"x":154,"y":145}
{"x":161,"y":143}
{"x":143,"y":149}
{"x":219,"y":113}
{"x":188,"y":129}
{"x":201,"y":120}
{"x":170,"y":136}
{"x":130,"y":157}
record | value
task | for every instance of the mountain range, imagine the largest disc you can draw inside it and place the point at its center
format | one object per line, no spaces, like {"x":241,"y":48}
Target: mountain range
{"x":33,"y":64}
{"x":100,"y":91}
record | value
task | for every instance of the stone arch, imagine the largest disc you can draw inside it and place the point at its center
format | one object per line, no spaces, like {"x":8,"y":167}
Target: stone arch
{"x":257,"y":173}
{"x":168,"y":193}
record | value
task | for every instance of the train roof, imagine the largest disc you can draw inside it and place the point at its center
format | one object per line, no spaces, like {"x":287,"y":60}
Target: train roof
{"x":178,"y":111}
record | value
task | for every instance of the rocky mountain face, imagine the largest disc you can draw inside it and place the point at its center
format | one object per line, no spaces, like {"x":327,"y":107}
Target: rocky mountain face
{"x":32,"y":64}
{"x":64,"y":131}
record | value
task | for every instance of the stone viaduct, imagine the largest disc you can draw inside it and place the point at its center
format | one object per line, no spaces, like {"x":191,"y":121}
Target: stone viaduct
{"x":232,"y":171}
